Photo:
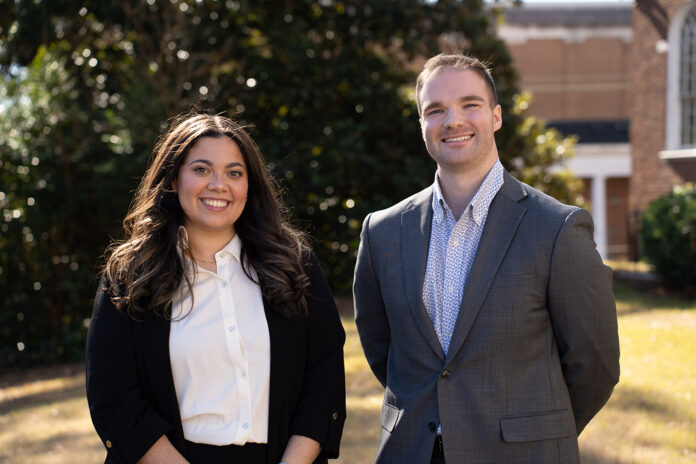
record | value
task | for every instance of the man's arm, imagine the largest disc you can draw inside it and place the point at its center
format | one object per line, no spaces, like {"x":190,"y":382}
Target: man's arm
{"x":370,"y":315}
{"x":583,"y":314}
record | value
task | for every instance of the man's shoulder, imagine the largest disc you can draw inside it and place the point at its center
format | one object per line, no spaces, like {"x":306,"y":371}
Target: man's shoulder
{"x":539,"y":201}
{"x":394,"y":212}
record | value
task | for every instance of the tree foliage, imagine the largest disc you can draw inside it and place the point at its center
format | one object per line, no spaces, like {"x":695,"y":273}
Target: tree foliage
{"x":326,"y":87}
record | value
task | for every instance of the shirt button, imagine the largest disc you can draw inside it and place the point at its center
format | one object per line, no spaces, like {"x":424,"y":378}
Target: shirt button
{"x":456,"y":243}
{"x":242,"y":373}
{"x":231,"y":328}
{"x":450,"y":288}
{"x":223,"y":283}
{"x":245,"y":426}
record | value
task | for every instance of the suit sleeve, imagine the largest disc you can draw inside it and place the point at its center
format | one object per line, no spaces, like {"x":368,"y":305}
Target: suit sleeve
{"x":321,"y":410}
{"x":122,"y":416}
{"x":370,"y":314}
{"x":583,"y":314}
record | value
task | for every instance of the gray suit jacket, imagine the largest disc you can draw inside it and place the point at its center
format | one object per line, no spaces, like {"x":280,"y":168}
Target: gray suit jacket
{"x":534,"y":354}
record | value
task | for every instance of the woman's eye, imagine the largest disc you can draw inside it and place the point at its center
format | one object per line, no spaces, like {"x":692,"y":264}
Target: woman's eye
{"x":235,"y":174}
{"x":200,"y":170}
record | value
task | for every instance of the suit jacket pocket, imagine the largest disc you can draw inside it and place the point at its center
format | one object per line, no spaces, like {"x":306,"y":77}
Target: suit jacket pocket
{"x":390,"y":415}
{"x":541,"y":426}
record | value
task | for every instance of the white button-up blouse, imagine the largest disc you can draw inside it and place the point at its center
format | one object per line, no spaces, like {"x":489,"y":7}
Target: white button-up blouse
{"x":220,"y":355}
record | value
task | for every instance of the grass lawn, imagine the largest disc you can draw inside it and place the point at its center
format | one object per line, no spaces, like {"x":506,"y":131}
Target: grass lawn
{"x":651,"y":418}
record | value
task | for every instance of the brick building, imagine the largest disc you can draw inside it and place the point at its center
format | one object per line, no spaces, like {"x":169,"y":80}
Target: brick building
{"x":574,"y":58}
{"x":663,"y":99}
{"x":623,"y":77}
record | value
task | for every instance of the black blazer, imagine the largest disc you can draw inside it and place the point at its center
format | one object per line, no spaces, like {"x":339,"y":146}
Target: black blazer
{"x":131,"y":392}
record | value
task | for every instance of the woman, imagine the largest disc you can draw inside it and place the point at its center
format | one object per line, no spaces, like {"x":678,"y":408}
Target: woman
{"x":215,"y":337}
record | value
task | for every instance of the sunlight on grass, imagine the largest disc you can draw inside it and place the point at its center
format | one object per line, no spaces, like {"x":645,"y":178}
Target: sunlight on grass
{"x":651,"y":418}
{"x":363,"y":401}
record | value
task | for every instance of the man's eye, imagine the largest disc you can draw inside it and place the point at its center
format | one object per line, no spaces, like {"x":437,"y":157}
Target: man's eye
{"x":431,"y":112}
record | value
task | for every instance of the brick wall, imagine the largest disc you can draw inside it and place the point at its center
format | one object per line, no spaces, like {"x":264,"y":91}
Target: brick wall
{"x":568,"y":80}
{"x":647,"y":78}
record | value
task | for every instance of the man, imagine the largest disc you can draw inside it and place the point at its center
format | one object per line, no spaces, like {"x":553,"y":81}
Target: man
{"x":482,"y":305}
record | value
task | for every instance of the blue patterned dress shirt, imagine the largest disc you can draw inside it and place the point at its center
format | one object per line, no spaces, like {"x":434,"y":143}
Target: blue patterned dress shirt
{"x":453,"y":245}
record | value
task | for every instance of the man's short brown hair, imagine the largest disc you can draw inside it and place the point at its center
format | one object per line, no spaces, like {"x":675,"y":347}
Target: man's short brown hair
{"x":458,"y":62}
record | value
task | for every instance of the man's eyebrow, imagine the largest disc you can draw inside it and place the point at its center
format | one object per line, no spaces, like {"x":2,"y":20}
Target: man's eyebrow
{"x":472,"y":98}
{"x":465,"y":98}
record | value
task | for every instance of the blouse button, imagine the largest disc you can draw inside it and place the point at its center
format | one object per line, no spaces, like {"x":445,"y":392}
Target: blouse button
{"x":334,"y":416}
{"x":108,"y":443}
{"x":223,"y":283}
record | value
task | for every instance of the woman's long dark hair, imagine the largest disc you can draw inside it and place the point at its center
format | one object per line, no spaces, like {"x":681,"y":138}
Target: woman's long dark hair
{"x":146,"y":270}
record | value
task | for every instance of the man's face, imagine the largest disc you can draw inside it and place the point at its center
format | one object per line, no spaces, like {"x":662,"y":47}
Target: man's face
{"x":458,"y":120}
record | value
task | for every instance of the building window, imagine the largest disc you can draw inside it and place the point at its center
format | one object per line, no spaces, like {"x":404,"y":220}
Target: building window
{"x":687,"y":81}
{"x":680,"y":115}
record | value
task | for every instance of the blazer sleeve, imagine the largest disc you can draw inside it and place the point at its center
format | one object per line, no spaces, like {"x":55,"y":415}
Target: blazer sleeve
{"x":370,"y":315}
{"x":122,"y":416}
{"x":583,"y":314}
{"x":321,"y":410}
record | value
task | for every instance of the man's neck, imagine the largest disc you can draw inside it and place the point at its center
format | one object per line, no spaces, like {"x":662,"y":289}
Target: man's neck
{"x":459,"y":188}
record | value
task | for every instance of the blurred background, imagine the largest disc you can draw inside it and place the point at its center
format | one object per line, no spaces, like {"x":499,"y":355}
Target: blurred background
{"x":599,"y":105}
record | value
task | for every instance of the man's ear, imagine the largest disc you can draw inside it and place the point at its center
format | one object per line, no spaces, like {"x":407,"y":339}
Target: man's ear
{"x":497,"y":118}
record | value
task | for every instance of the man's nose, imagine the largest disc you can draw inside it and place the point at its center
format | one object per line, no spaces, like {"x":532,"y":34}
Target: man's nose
{"x":454,"y":118}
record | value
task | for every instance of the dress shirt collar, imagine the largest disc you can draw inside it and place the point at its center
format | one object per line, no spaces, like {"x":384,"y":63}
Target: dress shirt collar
{"x":233,"y":247}
{"x":479,"y":204}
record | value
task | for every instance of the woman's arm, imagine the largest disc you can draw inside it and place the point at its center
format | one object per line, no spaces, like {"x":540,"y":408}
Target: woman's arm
{"x":163,"y":452}
{"x":321,"y":409}
{"x":300,"y":450}
{"x":121,"y":413}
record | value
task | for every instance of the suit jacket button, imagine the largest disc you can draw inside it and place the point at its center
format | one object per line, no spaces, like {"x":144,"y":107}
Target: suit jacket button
{"x":445,"y":374}
{"x":108,"y":443}
{"x":432,"y":427}
{"x":334,"y":416}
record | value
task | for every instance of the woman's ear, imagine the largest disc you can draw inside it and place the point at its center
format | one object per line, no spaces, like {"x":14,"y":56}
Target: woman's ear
{"x":174,"y":185}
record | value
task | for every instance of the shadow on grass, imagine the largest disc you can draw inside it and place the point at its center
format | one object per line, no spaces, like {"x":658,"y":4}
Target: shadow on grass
{"x":72,"y":443}
{"x":651,"y":403}
{"x":73,"y":389}
{"x":629,"y":300}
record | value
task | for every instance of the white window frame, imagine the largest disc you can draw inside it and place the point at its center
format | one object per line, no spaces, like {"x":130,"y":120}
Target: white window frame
{"x":673,"y":147}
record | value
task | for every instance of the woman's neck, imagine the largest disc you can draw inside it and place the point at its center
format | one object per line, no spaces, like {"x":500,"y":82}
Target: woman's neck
{"x":203,"y":246}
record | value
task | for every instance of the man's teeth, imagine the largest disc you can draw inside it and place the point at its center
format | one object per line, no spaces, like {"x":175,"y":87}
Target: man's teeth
{"x":459,"y":139}
{"x":215,"y":203}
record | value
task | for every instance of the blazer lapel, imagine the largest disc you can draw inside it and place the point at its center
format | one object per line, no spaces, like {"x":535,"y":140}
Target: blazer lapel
{"x":415,"y":239}
{"x":155,"y":342}
{"x":504,"y":217}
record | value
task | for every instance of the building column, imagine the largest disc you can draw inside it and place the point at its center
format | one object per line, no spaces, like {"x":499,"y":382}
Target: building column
{"x":599,"y":214}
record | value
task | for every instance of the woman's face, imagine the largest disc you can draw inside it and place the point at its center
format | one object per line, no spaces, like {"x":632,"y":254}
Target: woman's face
{"x":212,"y":186}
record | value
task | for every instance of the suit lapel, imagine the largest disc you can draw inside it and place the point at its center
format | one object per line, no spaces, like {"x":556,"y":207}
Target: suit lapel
{"x":504,"y":217}
{"x":415,"y":236}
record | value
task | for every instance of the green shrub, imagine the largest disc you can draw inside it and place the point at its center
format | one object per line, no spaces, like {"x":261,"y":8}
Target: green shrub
{"x":668,"y":236}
